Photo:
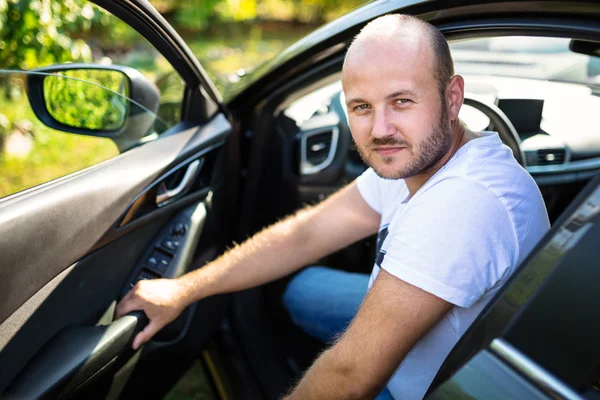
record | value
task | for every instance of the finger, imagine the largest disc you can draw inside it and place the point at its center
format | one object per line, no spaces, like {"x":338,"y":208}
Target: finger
{"x":132,"y":292}
{"x":146,"y":334}
{"x":126,"y":299}
{"x":128,"y":295}
{"x":126,"y":306}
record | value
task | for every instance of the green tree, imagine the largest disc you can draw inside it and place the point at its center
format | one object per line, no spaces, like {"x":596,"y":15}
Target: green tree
{"x":200,"y":14}
{"x":37,"y":32}
{"x":88,"y":98}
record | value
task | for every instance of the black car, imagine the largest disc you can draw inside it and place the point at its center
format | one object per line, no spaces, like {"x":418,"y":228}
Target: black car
{"x":196,"y":174}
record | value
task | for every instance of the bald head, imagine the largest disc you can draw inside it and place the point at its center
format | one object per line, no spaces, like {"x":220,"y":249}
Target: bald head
{"x":405,"y":31}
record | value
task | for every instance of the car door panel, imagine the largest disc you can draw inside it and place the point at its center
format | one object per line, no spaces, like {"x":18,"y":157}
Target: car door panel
{"x":78,"y":296}
{"x":58,"y":223}
{"x":74,"y":357}
{"x":76,"y":354}
{"x":67,"y":257}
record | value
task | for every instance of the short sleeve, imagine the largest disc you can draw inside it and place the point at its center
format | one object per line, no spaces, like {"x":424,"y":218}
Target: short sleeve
{"x":455,"y":241}
{"x":368,"y":187}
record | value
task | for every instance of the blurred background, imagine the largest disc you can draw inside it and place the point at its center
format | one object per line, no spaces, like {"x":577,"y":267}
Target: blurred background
{"x":229,"y":37}
{"x":225,"y":35}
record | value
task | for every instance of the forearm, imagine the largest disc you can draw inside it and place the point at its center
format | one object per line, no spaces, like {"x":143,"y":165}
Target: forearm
{"x":332,"y":376}
{"x":286,"y":246}
{"x":273,"y":253}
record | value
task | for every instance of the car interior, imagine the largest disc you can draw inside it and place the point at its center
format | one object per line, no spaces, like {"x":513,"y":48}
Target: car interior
{"x":535,"y":91}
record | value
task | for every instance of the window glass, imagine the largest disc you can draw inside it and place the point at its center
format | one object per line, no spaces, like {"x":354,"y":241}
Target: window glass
{"x":36,"y":33}
{"x":544,"y":58}
{"x":231,"y":38}
{"x":33,"y":153}
{"x":548,"y":92}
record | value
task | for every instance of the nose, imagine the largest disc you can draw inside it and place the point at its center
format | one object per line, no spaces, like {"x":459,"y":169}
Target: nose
{"x":382,"y":124}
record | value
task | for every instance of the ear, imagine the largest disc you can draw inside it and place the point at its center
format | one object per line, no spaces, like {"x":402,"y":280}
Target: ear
{"x":455,"y":93}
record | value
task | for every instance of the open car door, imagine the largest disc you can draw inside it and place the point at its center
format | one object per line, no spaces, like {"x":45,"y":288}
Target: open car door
{"x":72,"y":247}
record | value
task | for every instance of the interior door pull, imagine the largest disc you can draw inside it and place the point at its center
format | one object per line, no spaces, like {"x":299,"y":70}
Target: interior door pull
{"x":74,"y":356}
{"x":186,"y":182}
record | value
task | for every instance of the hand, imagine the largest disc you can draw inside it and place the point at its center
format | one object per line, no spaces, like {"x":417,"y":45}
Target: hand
{"x":161,"y":299}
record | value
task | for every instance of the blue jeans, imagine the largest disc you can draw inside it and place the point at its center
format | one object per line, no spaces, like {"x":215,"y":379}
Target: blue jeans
{"x":322,"y":302}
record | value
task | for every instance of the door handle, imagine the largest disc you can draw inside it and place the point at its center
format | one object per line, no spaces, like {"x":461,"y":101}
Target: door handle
{"x":75,"y":355}
{"x":186,"y":182}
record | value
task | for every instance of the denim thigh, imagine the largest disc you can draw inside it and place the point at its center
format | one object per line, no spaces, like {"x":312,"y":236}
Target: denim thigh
{"x":322,"y":301}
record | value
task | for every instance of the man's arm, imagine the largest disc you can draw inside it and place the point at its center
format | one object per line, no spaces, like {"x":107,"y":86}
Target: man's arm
{"x":273,"y":253}
{"x":393,"y":318}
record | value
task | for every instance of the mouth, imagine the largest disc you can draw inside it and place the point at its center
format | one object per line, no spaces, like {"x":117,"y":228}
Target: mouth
{"x":388,"y":151}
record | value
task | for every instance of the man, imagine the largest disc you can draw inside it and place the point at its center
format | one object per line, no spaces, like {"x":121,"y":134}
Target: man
{"x":455,"y":212}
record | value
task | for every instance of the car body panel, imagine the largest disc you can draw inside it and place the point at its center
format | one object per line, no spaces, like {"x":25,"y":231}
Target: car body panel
{"x":73,"y":246}
{"x":80,"y":200}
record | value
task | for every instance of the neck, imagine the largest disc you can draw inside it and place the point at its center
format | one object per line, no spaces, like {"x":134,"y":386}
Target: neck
{"x":460,"y":136}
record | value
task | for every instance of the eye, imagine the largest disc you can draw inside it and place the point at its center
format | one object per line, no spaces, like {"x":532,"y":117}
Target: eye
{"x":361,"y":107}
{"x":402,"y":101}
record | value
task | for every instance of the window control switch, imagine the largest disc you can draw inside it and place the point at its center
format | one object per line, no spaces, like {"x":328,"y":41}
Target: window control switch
{"x":143,"y":276}
{"x":158,"y":262}
{"x":170,"y":245}
{"x":178,"y":229}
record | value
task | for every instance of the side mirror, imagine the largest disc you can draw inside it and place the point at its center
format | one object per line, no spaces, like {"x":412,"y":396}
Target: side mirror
{"x":96,"y":100}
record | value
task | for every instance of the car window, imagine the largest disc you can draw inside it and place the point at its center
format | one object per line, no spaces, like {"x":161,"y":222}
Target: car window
{"x":547,"y":91}
{"x":233,"y":38}
{"x":36,"y":34}
{"x":547,"y":58}
{"x":34,"y":153}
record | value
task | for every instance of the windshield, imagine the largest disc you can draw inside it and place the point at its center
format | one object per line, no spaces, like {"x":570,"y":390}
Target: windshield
{"x":232,"y":38}
{"x":525,"y":57}
{"x":229,"y":57}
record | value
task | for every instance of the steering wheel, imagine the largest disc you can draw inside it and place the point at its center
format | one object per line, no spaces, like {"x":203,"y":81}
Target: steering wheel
{"x":506,"y":130}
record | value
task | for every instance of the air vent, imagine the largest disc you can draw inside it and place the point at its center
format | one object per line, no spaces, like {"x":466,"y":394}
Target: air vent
{"x":550,"y":157}
{"x":318,"y":150}
{"x":317,"y":147}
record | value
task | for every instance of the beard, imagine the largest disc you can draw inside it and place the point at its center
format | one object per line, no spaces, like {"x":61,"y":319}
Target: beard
{"x":422,"y":157}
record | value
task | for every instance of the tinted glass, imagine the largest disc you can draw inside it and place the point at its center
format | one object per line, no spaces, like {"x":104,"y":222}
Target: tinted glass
{"x":31,"y":153}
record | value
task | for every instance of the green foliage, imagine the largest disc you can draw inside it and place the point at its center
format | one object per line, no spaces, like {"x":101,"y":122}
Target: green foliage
{"x":241,"y":46}
{"x":54,"y":154}
{"x":196,"y":14}
{"x":203,"y":14}
{"x":33,"y":32}
{"x":88,"y":98}
{"x":4,"y":126}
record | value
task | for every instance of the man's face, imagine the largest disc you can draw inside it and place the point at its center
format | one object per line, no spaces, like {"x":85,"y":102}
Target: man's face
{"x":397,"y":116}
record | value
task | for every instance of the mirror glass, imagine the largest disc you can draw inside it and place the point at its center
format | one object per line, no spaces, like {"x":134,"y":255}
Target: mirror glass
{"x":92,"y":99}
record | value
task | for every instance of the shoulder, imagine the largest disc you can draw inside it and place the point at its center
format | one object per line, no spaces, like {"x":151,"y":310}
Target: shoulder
{"x":458,"y":193}
{"x":455,"y":240}
{"x":458,"y":209}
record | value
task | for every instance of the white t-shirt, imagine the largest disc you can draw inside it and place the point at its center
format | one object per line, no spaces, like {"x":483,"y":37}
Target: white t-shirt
{"x":459,"y":237}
